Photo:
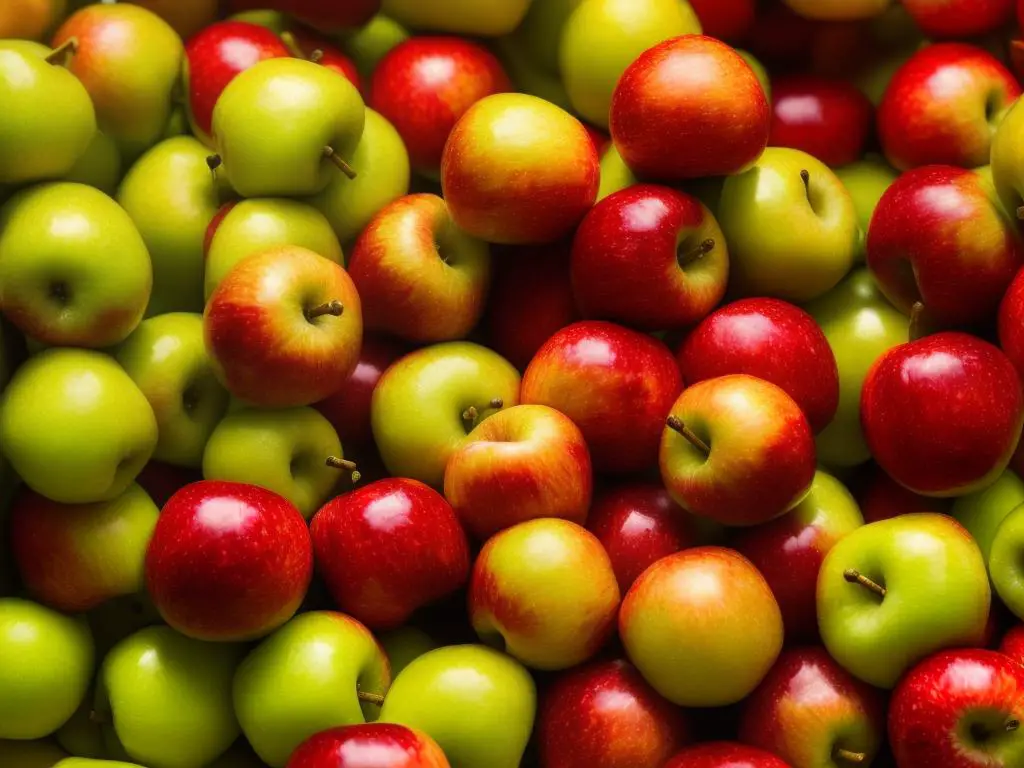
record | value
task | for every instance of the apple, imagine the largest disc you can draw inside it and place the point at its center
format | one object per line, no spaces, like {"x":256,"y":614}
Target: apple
{"x":872,"y":618}
{"x":960,"y":18}
{"x":1007,"y":162}
{"x":649,"y":257}
{"x":186,"y":16}
{"x":728,"y":20}
{"x":523,"y":463}
{"x":29,"y":19}
{"x":111,"y":622}
{"x":1013,"y":644}
{"x":604,"y":715}
{"x":331,"y":18}
{"x":306,"y":43}
{"x":943,"y":414}
{"x":723,"y":754}
{"x":882,"y":498}
{"x":374,"y":745}
{"x":1011,"y":323}
{"x":228,"y":561}
{"x":404,"y":645}
{"x":866,"y":181}
{"x":370,"y":43}
{"x":616,"y":384}
{"x":982,"y":512}
{"x":838,"y":10}
{"x":829,"y":119}
{"x":1004,"y":561}
{"x":615,"y":174}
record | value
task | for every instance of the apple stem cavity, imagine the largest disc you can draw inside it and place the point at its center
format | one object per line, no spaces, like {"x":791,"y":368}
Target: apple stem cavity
{"x":687,"y":257}
{"x":334,"y":308}
{"x":469,"y":417}
{"x":97,"y":718}
{"x":1013,"y":725}
{"x":854,"y":576}
{"x":213,"y":162}
{"x":350,"y":466}
{"x":62,"y":54}
{"x":676,"y":424}
{"x":805,"y":176}
{"x":335,"y":158}
{"x":846,"y":755}
{"x":370,"y":698}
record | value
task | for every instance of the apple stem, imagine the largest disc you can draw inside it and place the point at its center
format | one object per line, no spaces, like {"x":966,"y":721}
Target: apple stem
{"x":371,"y":698}
{"x":915,"y":330}
{"x":497,"y":403}
{"x":1020,"y":212}
{"x":335,"y":158}
{"x":695,"y":254}
{"x":676,"y":424}
{"x":334,"y":308}
{"x":316,"y":56}
{"x":851,"y":757}
{"x":1012,"y":726}
{"x":854,"y":576}
{"x":60,"y":55}
{"x":806,"y":177}
{"x":292,"y":45}
{"x":469,"y":417}
{"x":350,"y":466}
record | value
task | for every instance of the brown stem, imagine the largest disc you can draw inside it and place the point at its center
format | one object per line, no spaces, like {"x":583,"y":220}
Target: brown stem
{"x":335,"y":158}
{"x":915,"y":330}
{"x":850,"y":757}
{"x":854,"y":576}
{"x":60,"y":55}
{"x":497,"y":403}
{"x":695,"y":254}
{"x":371,"y":698}
{"x":292,"y":45}
{"x":316,"y":56}
{"x":676,"y":424}
{"x":805,"y":176}
{"x":349,"y":466}
{"x":1020,"y":212}
{"x":1012,"y":726}
{"x":335,"y":308}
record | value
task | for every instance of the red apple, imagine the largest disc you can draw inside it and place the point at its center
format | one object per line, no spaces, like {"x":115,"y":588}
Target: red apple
{"x":388,"y":548}
{"x":1013,"y":644}
{"x":425,"y":84}
{"x":604,"y":715}
{"x":724,"y":754}
{"x":959,"y":709}
{"x":638,"y":524}
{"x":599,"y":138}
{"x":228,"y":561}
{"x":1011,"y":324}
{"x":772,"y":340}
{"x":811,"y":712}
{"x":943,"y":414}
{"x":616,"y":384}
{"x":326,"y":16}
{"x":284,"y":328}
{"x":728,"y":20}
{"x":828,"y":118}
{"x":959,"y":256}
{"x":649,"y":257}
{"x":307,"y":42}
{"x":882,"y":498}
{"x":781,"y":38}
{"x":371,"y":745}
{"x":689,"y":107}
{"x":942,"y":106}
{"x":161,"y":481}
{"x":959,"y":18}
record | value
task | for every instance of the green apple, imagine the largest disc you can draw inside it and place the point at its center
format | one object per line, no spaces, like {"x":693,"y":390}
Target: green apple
{"x":73,"y":268}
{"x":30,"y":754}
{"x":1007,"y":158}
{"x":860,"y":325}
{"x":86,"y":762}
{"x":791,"y":227}
{"x":895,"y":591}
{"x":527,"y":75}
{"x":428,"y":401}
{"x":305,"y":678}
{"x":81,"y":735}
{"x":1006,"y":561}
{"x":48,"y":663}
{"x":275,"y":21}
{"x":540,"y":33}
{"x":247,"y":227}
{"x":601,"y":38}
{"x":874,"y":78}
{"x":87,"y":444}
{"x":117,"y":619}
{"x":982,"y":512}
{"x":285,"y":451}
{"x":172,"y":197}
{"x":281,"y":125}
{"x":476,"y":18}
{"x":404,"y":645}
{"x":866,"y":181}
{"x":99,"y":166}
{"x":760,"y":71}
{"x":165,"y":699}
{"x":369,"y":44}
{"x":615,"y":174}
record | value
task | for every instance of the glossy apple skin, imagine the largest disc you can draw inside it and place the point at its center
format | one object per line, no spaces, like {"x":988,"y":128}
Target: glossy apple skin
{"x":1011,"y":324}
{"x":228,"y":561}
{"x":942,"y":415}
{"x":626,"y":259}
{"x":830,"y":119}
{"x":959,"y":255}
{"x":959,"y":18}
{"x":425,"y":84}
{"x":940,"y":701}
{"x":388,"y":548}
{"x":329,"y":17}
{"x":883,"y":498}
{"x":772,"y":340}
{"x":808,"y":707}
{"x":1013,"y":644}
{"x":638,"y":524}
{"x":669,"y":123}
{"x":724,"y":754}
{"x":309,"y":41}
{"x":604,"y":715}
{"x":942,"y":105}
{"x":373,"y":745}
{"x":728,"y":20}
{"x":615,"y":383}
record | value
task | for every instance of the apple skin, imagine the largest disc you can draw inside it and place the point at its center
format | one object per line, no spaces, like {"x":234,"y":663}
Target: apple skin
{"x":702,"y":627}
{"x":943,"y":105}
{"x":228,"y":562}
{"x":1011,"y":323}
{"x":374,"y":745}
{"x":959,"y":257}
{"x":669,"y":124}
{"x":1012,"y":644}
{"x":531,"y":189}
{"x":728,"y":20}
{"x":942,"y":415}
{"x":389,"y":548}
{"x":161,"y":481}
{"x":604,"y":715}
{"x":639,"y":258}
{"x":522,"y":463}
{"x":866,"y":181}
{"x":616,"y":384}
{"x":308,"y":41}
{"x":983,"y":511}
{"x":1004,"y":561}
{"x":829,"y":119}
{"x":955,"y":709}
{"x":723,"y":754}
{"x":772,"y":340}
{"x":959,"y":18}
{"x":882,"y":498}
{"x":332,"y":17}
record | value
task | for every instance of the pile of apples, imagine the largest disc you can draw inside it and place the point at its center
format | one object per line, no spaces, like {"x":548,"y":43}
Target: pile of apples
{"x":497,"y":383}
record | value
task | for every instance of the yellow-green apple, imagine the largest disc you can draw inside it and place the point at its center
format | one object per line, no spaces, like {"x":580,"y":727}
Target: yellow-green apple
{"x":420,"y":277}
{"x":473,"y":18}
{"x":242,"y":228}
{"x":404,"y":645}
{"x":523,"y":463}
{"x":53,"y":285}
{"x":959,"y":708}
{"x":517,"y":169}
{"x":129,"y":59}
{"x":942,"y":415}
{"x":428,"y":401}
{"x":772,"y":340}
{"x":615,"y":174}
{"x":155,"y":672}
{"x":320,"y":670}
{"x":1007,"y":161}
{"x":649,"y":257}
{"x":254,"y":128}
{"x":371,"y":43}
{"x":839,"y":10}
{"x":512,"y":606}
{"x":943,"y":106}
{"x":725,"y":754}
{"x":31,"y":754}
{"x":1011,"y":323}
{"x":388,"y":549}
{"x":982,"y":511}
{"x":669,"y":123}
{"x":284,"y":327}
{"x":85,"y":447}
{"x":615,"y":383}
{"x":601,"y":38}
{"x":604,"y":715}
{"x":787,"y":192}
{"x":436,"y":691}
{"x":49,"y":665}
{"x":870,"y":612}
{"x":866,"y":181}
{"x":737,"y":449}
{"x":1005,"y":556}
{"x":362,"y":746}
{"x":100,"y":166}
{"x":702,"y":627}
{"x":72,"y":557}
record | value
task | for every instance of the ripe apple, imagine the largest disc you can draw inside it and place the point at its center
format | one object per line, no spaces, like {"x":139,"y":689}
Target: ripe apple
{"x":475,"y":18}
{"x":728,"y":20}
{"x":615,"y":174}
{"x":1011,"y":323}
{"x":882,"y":498}
{"x":983,"y":511}
{"x":370,"y":43}
{"x":827,"y":118}
{"x":1004,"y":561}
{"x":374,"y":745}
{"x":723,"y":754}
{"x":960,"y":18}
{"x":1013,"y":644}
{"x":306,"y":43}
{"x":866,"y":181}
